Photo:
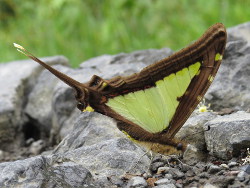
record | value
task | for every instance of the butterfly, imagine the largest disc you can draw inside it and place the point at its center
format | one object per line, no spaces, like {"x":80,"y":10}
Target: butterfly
{"x":153,"y":104}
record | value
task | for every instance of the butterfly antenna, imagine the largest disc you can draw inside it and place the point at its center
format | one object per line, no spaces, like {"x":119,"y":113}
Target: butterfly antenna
{"x":66,"y":79}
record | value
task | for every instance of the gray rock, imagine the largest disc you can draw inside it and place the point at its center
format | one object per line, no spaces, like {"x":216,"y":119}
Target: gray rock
{"x":225,"y":166}
{"x":208,"y":185}
{"x":185,"y":167}
{"x":162,"y":181}
{"x":193,"y":155}
{"x":232,"y":164}
{"x":203,"y":175}
{"x":213,"y":169}
{"x":36,"y":147}
{"x":171,"y":185}
{"x":246,"y":168}
{"x":193,"y":130}
{"x":19,"y":78}
{"x":111,"y":155}
{"x":116,"y":181}
{"x":162,"y":170}
{"x":190,"y":173}
{"x":178,"y":185}
{"x":228,"y":135}
{"x":156,"y":165}
{"x":193,"y":133}
{"x":168,"y":176}
{"x":137,"y":182}
{"x":98,"y":145}
{"x":242,"y":176}
{"x":221,"y":181}
{"x":42,"y":172}
{"x":177,"y":174}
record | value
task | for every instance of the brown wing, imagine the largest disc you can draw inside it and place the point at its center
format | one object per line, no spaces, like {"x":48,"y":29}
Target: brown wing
{"x":203,"y":50}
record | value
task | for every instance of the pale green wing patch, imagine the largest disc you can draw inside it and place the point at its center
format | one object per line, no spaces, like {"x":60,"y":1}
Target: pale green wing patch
{"x":218,"y":57}
{"x":193,"y":69}
{"x":153,"y":108}
{"x":183,"y":79}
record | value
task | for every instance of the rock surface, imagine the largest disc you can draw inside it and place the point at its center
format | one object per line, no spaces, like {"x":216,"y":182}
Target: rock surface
{"x":87,"y":150}
{"x":228,"y":142}
{"x":17,"y":79}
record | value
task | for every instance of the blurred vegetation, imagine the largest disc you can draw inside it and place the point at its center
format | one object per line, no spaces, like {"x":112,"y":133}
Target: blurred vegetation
{"x":81,"y":29}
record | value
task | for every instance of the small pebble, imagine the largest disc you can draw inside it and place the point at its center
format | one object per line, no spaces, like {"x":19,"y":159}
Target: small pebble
{"x":232,"y":164}
{"x":241,"y":176}
{"x":185,"y":167}
{"x":208,"y":185}
{"x":36,"y":147}
{"x":116,"y":181}
{"x":193,"y":186}
{"x":235,"y":168}
{"x":29,"y":141}
{"x":222,"y":172}
{"x":203,"y":175}
{"x":151,"y":181}
{"x":137,"y":182}
{"x":158,"y":176}
{"x":232,"y":173}
{"x":162,"y":181}
{"x":225,"y":166}
{"x":157,"y":158}
{"x":162,"y":170}
{"x":178,"y":185}
{"x":190,"y":173}
{"x":202,"y":181}
{"x":177,"y":174}
{"x":169,"y":176}
{"x":154,"y":167}
{"x":166,"y":186}
{"x":147,"y":175}
{"x":237,"y":185}
{"x":213,"y":169}
{"x":246,"y":168}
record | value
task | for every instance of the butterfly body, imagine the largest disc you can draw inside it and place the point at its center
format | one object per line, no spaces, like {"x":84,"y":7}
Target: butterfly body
{"x":152,"y":105}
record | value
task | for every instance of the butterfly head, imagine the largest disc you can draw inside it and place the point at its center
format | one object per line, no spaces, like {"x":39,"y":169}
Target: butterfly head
{"x":82,"y":96}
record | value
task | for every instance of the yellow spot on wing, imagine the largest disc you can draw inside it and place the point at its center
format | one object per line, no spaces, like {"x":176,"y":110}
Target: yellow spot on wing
{"x":218,"y":57}
{"x":198,"y":72}
{"x":88,"y":109}
{"x":194,"y":69}
{"x":199,"y":98}
{"x":183,"y":79}
{"x":210,"y":78}
{"x":104,"y":84}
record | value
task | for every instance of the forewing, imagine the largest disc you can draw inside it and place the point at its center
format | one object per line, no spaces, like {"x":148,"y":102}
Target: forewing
{"x":162,"y":96}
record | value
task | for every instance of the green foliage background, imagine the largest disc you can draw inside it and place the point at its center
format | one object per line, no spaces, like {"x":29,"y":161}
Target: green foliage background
{"x":81,"y":29}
